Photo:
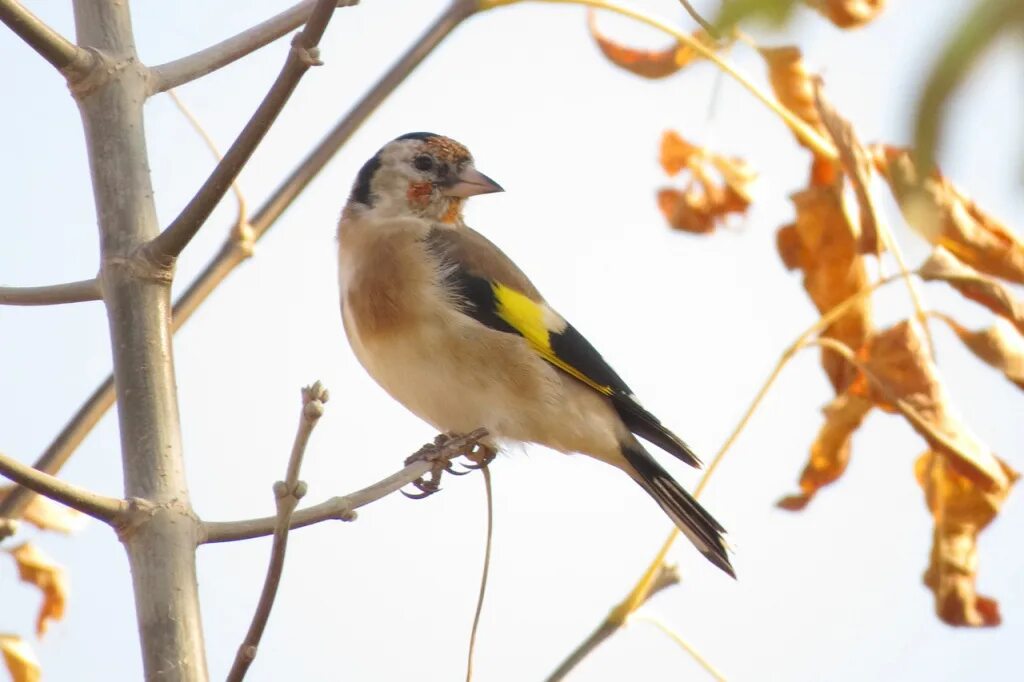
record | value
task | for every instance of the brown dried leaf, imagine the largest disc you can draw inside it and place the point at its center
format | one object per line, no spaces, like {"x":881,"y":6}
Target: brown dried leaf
{"x":830,"y":452}
{"x":901,"y":363}
{"x":944,"y":216}
{"x":833,"y":271}
{"x":856,"y":165}
{"x":21,"y":661}
{"x":961,"y":510}
{"x":1000,"y":346}
{"x":942,"y":266}
{"x":45,"y":514}
{"x":38,"y":569}
{"x":848,"y":13}
{"x":647,"y":63}
{"x":794,"y":87}
{"x":715,"y":186}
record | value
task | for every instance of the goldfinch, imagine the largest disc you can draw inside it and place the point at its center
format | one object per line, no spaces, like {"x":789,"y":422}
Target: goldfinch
{"x":454,"y":331}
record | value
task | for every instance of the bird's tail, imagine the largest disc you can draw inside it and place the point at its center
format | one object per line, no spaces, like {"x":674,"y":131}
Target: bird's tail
{"x":690,"y":517}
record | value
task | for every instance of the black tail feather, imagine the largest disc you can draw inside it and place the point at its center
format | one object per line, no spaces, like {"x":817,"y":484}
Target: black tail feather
{"x":691,"y":518}
{"x":647,"y":426}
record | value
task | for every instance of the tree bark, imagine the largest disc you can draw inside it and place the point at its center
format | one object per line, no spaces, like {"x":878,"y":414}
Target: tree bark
{"x":161,"y":544}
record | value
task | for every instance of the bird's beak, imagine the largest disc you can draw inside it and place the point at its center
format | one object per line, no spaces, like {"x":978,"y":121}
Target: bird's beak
{"x":470,"y":182}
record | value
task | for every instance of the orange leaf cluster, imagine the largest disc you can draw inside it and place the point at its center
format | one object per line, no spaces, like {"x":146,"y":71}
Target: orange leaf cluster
{"x":20,"y":661}
{"x":944,"y":216}
{"x":961,"y":510}
{"x":823,"y":243}
{"x":647,"y":63}
{"x":715,"y":186}
{"x":848,"y":13}
{"x":38,"y":569}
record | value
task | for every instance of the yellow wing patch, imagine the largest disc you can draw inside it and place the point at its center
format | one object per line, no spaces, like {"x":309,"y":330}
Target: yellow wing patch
{"x":527,"y":317}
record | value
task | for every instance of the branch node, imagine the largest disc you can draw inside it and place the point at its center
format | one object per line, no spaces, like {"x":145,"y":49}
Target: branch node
{"x":280,"y":489}
{"x":137,"y":513}
{"x":88,"y":77}
{"x":310,"y":56}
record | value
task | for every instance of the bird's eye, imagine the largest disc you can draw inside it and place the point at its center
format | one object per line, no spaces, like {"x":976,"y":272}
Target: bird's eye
{"x":423,"y":162}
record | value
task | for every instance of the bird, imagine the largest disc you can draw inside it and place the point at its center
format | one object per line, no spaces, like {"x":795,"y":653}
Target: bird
{"x":452,"y":329}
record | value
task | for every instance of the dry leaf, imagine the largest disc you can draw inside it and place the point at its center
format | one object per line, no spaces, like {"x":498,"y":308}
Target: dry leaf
{"x":848,"y":13}
{"x":21,"y":662}
{"x":830,"y":452}
{"x":945,"y":217}
{"x":999,"y":346}
{"x":794,"y":87}
{"x":715,"y":186}
{"x":647,"y":63}
{"x":961,"y":510}
{"x":942,"y":266}
{"x":856,"y":165}
{"x":45,"y":514}
{"x":901,"y":363}
{"x":825,"y":247}
{"x":37,"y":568}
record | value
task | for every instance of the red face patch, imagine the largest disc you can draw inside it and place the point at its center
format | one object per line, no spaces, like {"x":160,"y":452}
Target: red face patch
{"x":419,"y":193}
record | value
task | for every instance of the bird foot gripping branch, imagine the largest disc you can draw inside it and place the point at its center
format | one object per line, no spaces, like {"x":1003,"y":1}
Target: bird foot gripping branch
{"x":440,"y":453}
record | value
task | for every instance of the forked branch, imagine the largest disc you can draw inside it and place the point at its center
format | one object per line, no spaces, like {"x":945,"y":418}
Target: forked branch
{"x":239,"y":245}
{"x":343,"y":508}
{"x":199,"y":64}
{"x":287,"y":494}
{"x":304,"y":54}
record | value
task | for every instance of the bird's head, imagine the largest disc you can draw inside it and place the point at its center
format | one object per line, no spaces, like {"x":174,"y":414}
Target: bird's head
{"x":421,"y":174}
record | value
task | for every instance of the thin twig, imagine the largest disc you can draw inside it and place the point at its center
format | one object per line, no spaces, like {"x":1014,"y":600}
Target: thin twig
{"x":686,"y":646}
{"x":304,"y":54}
{"x":704,"y":23}
{"x":238,"y":247}
{"x":53,"y":294}
{"x":806,"y":133}
{"x":341,"y":508}
{"x":644,"y":587}
{"x":667,"y":575}
{"x":63,"y":54}
{"x":486,"y":571}
{"x":107,"y":509}
{"x":243,"y":210}
{"x":199,"y":64}
{"x":287,"y":494}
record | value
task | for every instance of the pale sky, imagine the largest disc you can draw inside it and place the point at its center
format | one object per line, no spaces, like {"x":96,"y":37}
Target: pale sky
{"x":693,"y":324}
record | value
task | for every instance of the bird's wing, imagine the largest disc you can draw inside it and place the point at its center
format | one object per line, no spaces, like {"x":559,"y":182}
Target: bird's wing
{"x":493,"y":291}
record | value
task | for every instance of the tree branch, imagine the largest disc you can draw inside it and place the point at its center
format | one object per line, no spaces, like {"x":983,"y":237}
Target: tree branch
{"x":239,"y":245}
{"x":63,"y":54}
{"x":54,"y":294}
{"x":667,"y":576}
{"x":304,"y":54}
{"x":181,"y":71}
{"x":107,"y":509}
{"x":287,"y":494}
{"x":343,"y":508}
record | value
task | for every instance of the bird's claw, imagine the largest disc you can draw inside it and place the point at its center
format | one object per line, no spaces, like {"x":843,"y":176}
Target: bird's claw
{"x":435,"y":454}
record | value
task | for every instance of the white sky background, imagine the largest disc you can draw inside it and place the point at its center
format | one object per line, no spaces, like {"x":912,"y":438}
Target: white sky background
{"x":693,"y":324}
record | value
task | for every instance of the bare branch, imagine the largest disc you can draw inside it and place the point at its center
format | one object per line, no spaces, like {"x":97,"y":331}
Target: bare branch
{"x":287,"y":494}
{"x":342,"y":508}
{"x":239,"y":245}
{"x":668,"y":575}
{"x":67,"y":57}
{"x":101,"y":507}
{"x":304,"y":54}
{"x":54,"y":294}
{"x":181,"y":71}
